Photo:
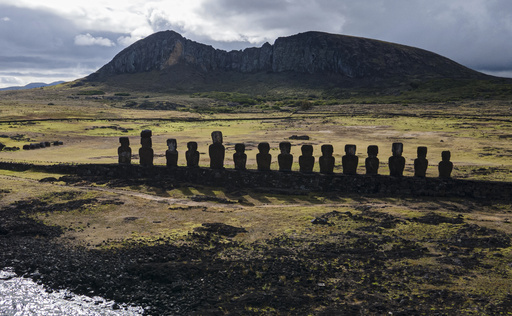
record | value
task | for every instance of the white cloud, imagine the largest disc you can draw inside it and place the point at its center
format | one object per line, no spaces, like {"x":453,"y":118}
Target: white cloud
{"x":9,"y":81}
{"x":21,"y":78}
{"x":6,"y":19}
{"x":89,"y":40}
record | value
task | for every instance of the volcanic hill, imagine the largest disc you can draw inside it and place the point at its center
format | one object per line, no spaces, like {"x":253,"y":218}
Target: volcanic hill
{"x":166,"y":61}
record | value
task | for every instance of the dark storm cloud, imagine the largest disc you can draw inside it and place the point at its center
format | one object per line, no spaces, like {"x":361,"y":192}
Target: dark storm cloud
{"x":475,"y":33}
{"x":276,"y":18}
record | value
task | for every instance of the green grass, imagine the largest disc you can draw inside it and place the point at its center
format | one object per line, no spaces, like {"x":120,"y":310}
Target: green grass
{"x":91,"y":92}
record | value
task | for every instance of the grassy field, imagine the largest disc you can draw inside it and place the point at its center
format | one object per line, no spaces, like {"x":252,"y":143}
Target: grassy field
{"x":107,"y":217}
{"x":477,"y":133}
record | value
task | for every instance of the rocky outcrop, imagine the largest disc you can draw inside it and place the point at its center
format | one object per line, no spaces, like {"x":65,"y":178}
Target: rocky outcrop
{"x":164,"y":50}
{"x":305,"y":53}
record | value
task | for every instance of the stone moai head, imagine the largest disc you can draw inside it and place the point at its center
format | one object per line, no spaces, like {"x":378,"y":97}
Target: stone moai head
{"x":285,"y":147}
{"x":446,"y":155}
{"x":307,"y":150}
{"x":145,"y":133}
{"x":172,"y":144}
{"x":240,"y":148}
{"x":264,"y":147}
{"x":217,"y":137}
{"x":350,"y":150}
{"x":422,"y":152}
{"x":192,"y":146}
{"x":397,"y":149}
{"x":125,"y":141}
{"x":327,"y":150}
{"x":373,"y":150}
{"x":145,"y":138}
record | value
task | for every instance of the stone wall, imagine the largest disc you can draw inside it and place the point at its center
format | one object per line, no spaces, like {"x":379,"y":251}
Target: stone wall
{"x":286,"y":182}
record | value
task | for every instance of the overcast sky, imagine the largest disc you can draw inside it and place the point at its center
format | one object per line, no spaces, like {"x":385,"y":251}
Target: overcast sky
{"x":45,"y":41}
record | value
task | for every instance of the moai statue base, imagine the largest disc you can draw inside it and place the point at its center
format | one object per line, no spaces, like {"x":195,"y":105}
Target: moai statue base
{"x":350,"y":160}
{"x":192,"y":155}
{"x":396,"y":162}
{"x":217,"y":151}
{"x":372,"y":162}
{"x":263,"y":158}
{"x":421,"y":163}
{"x":306,"y":161}
{"x":171,"y":154}
{"x":445,"y":166}
{"x":240,"y":157}
{"x":285,"y":159}
{"x":326,"y":161}
{"x":124,"y":151}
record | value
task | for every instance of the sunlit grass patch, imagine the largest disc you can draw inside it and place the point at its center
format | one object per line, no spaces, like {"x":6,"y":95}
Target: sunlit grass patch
{"x":30,"y":174}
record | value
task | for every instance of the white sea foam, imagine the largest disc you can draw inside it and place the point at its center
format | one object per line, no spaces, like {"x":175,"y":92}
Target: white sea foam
{"x":21,"y":296}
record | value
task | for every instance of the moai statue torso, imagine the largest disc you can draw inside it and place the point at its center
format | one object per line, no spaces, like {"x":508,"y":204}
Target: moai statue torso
{"x":326,"y":161}
{"x":192,"y":155}
{"x":124,"y":151}
{"x":263,"y":158}
{"x":146,"y":152}
{"x":350,"y":160}
{"x":217,"y":151}
{"x":421,"y":163}
{"x":285,"y":159}
{"x":306,"y":161}
{"x":396,"y":162}
{"x":240,"y":157}
{"x":372,"y":162}
{"x":445,"y":166}
{"x":171,"y":153}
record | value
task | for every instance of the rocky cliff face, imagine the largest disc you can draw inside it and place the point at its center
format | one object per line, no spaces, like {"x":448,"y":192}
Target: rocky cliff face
{"x":305,"y":53}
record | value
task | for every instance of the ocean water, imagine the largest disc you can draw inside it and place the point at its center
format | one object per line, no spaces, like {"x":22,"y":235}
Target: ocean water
{"x":21,"y":296}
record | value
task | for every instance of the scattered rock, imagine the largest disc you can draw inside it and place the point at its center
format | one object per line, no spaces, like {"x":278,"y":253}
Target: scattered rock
{"x":296,"y":137}
{"x":221,"y":229}
{"x":320,"y":221}
{"x":436,"y":219}
{"x":48,"y":179}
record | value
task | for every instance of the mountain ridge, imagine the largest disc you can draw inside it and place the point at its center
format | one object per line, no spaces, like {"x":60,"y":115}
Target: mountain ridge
{"x":32,"y":85}
{"x":311,"y":58}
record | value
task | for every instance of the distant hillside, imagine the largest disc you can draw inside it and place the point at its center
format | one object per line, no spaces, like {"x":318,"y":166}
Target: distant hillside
{"x":32,"y":85}
{"x":166,"y":61}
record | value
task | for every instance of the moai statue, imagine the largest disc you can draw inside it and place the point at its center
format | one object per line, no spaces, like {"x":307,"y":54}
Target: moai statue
{"x":326,"y":161}
{"x":285,"y":159}
{"x":240,"y":157}
{"x":124,"y":151}
{"x":146,"y":153}
{"x":217,"y":151}
{"x":171,"y":154}
{"x":445,"y":166}
{"x":372,"y":162}
{"x":421,"y":163}
{"x":263,"y":158}
{"x":350,"y":160}
{"x":397,"y":162}
{"x":306,"y":161}
{"x":192,"y":155}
